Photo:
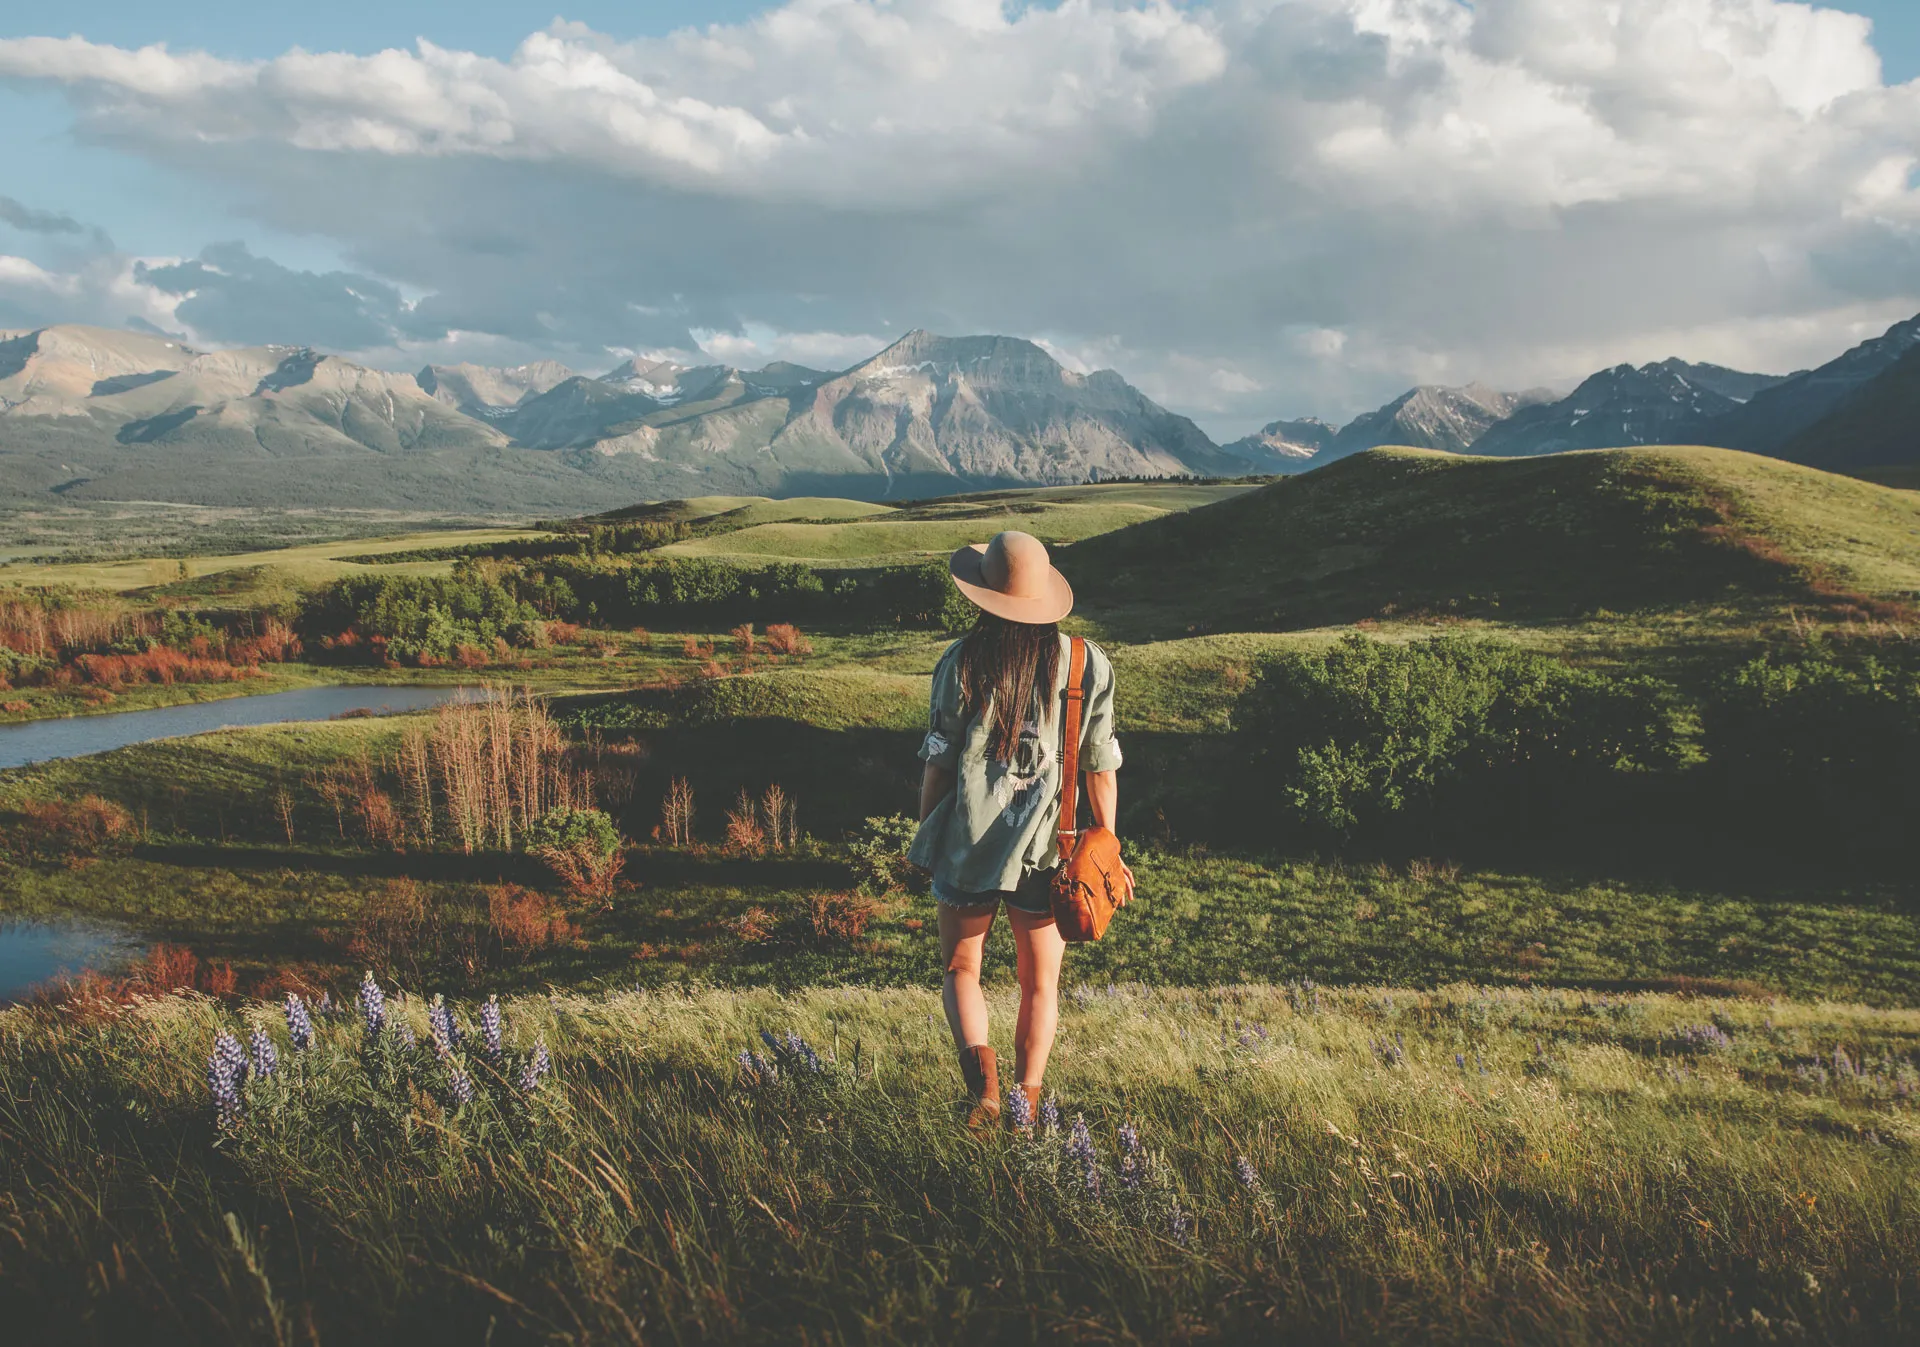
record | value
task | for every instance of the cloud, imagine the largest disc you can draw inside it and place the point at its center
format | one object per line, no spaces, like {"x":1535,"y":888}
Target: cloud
{"x":228,"y":296}
{"x":30,"y":221}
{"x":1253,"y":208}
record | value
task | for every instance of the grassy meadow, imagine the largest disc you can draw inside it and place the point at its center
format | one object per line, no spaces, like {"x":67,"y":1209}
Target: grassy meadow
{"x":1294,"y":1164}
{"x":1624,"y":1048}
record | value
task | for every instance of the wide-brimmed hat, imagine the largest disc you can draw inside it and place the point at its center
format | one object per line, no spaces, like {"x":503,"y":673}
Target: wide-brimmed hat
{"x":1011,"y":577}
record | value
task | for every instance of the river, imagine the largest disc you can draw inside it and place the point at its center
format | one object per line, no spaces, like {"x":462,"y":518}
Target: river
{"x":33,"y":951}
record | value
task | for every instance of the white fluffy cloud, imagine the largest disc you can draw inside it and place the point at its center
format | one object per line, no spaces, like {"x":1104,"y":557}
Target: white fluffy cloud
{"x":1253,"y":207}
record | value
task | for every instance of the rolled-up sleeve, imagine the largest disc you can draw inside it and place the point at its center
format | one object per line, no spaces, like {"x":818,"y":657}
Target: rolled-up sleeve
{"x":1099,"y":749}
{"x":946,"y":726}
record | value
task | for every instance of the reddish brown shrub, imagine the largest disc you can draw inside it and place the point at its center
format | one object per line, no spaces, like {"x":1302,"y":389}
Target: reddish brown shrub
{"x":526,"y":920}
{"x":754,"y":926}
{"x":82,"y":825}
{"x":783,"y":638}
{"x":744,"y":833}
{"x":840,"y":918}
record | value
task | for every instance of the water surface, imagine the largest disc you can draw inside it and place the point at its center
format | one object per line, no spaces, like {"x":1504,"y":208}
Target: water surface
{"x":46,"y":740}
{"x":33,"y":952}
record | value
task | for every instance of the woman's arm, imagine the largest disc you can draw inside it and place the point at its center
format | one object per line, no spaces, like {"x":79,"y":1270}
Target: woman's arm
{"x":1103,"y":798}
{"x":936,"y":783}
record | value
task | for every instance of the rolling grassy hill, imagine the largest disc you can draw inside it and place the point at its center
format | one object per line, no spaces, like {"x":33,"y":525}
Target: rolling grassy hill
{"x":1399,"y":533}
{"x":850,"y":533}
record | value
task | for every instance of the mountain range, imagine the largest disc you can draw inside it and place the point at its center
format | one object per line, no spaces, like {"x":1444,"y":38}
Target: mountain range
{"x":88,"y":413}
{"x":94,"y":414}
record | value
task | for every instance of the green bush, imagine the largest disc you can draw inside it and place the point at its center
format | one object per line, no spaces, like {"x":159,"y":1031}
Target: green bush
{"x":879,"y":855}
{"x":1371,"y":739}
{"x":1821,"y":738}
{"x":563,"y":829}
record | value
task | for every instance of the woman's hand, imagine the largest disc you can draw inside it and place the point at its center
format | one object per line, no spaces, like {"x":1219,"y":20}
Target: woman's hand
{"x":1126,"y":873}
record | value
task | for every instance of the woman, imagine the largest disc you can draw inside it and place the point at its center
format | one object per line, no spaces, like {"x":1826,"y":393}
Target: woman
{"x":990,"y":798}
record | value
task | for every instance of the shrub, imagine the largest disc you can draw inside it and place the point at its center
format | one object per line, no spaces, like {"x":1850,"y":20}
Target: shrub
{"x":744,"y":833}
{"x":676,"y":814}
{"x":879,"y":856}
{"x":783,"y":638}
{"x":81,"y":826}
{"x":1823,"y":738}
{"x":840,"y":918}
{"x":582,"y":848}
{"x":525,"y":921}
{"x":1370,"y":737}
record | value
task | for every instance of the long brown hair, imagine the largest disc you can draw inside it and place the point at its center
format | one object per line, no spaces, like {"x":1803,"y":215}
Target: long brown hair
{"x":1005,"y":665}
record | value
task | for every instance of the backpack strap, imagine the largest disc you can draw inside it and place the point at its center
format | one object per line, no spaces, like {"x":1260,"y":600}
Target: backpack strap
{"x":1075,"y":696}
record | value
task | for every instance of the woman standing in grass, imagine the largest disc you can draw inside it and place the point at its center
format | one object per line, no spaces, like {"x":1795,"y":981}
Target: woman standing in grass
{"x":990,"y":798}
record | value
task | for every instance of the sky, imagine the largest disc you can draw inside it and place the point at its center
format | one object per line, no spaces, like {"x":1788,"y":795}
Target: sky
{"x":1253,"y":209}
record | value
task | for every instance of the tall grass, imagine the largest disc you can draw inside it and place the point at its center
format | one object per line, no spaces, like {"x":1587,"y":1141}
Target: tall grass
{"x":1258,"y":1162}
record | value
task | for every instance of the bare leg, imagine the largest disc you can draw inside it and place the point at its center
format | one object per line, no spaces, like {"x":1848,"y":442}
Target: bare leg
{"x":963,"y":944}
{"x":1037,"y":949}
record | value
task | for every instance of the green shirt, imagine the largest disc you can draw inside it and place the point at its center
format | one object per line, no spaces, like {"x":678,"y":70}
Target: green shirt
{"x":1000,"y":818}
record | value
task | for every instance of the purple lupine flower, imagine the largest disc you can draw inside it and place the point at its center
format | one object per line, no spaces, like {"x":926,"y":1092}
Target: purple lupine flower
{"x":260,"y":1048}
{"x":1179,"y":1225}
{"x":230,"y":1051}
{"x":224,"y":1067}
{"x":537,"y":1066}
{"x":404,"y":1031}
{"x":373,"y":1006}
{"x":440,"y":1027}
{"x":1079,"y":1150}
{"x":1132,"y":1163}
{"x":1460,"y":1060}
{"x":1245,"y":1175}
{"x":1703,"y":1038}
{"x":1019,"y":1107}
{"x":1050,"y":1115}
{"x":802,"y":1051}
{"x":491,"y":1031}
{"x":460,"y":1086}
{"x":299,"y":1023}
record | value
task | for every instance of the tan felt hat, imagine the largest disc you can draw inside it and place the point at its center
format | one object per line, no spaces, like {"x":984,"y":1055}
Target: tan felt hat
{"x":1011,"y":577}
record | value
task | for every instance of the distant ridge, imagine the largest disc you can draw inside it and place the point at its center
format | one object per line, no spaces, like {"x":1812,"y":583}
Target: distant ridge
{"x":95,"y":414}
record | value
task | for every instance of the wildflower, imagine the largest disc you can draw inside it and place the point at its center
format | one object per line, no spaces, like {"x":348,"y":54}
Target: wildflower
{"x":1050,"y":1114}
{"x":405,"y":1031}
{"x":440,"y":1027}
{"x":1245,"y":1175}
{"x":1132,"y":1166}
{"x":299,"y":1023}
{"x":373,"y":1006}
{"x":490,"y":1027}
{"x":1179,"y":1225}
{"x":803,"y":1051}
{"x":1079,"y":1150}
{"x":1703,"y":1038}
{"x":1019,"y":1107}
{"x":1460,"y":1060}
{"x":260,"y":1048}
{"x":460,"y":1086}
{"x":224,"y":1067}
{"x":537,"y":1066}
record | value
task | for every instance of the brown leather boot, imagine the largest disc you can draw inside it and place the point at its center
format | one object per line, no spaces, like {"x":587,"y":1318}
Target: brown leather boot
{"x":1014,"y":1123}
{"x":982,"y":1074}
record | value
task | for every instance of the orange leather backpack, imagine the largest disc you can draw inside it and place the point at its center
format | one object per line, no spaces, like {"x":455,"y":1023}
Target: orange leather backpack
{"x":1091,"y":883}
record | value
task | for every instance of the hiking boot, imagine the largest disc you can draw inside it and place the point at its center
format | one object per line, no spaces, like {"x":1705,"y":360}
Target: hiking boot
{"x":982,"y":1072}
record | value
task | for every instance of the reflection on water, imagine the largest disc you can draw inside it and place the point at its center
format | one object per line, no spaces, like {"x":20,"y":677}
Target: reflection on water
{"x":44,"y":740}
{"x":31,"y":952}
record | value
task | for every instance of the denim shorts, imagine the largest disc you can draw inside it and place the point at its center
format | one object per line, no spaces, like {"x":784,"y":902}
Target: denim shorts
{"x":1033,"y":896}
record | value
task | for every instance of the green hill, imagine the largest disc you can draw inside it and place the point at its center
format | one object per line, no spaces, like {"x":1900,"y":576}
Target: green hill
{"x":1410,"y":533}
